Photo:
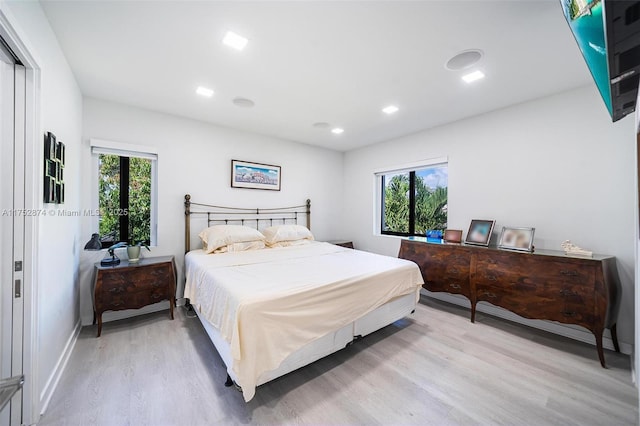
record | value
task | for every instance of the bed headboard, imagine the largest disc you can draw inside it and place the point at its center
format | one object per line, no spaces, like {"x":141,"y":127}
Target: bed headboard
{"x":210,"y":215}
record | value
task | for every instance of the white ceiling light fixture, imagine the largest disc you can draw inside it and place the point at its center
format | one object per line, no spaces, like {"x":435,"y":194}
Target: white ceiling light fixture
{"x":234,"y":40}
{"x":391,"y":109}
{"x":464,"y":59}
{"x":203,"y":91}
{"x":337,"y":130}
{"x":473,"y":76}
{"x":243,"y":102}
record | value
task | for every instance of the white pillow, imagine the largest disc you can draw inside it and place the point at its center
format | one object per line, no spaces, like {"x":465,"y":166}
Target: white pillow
{"x":276,"y":234}
{"x":218,"y":236}
{"x":290,"y":243}
{"x":235,"y":247}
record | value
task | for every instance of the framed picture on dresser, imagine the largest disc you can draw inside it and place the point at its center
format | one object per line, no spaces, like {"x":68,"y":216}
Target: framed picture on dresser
{"x":480,"y":232}
{"x":516,"y":238}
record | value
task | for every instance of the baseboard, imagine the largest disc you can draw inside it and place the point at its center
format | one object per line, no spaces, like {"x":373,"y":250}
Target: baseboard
{"x":54,"y":378}
{"x":581,"y":335}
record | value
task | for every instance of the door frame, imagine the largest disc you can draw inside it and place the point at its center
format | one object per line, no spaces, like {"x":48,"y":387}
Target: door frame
{"x":15,"y":38}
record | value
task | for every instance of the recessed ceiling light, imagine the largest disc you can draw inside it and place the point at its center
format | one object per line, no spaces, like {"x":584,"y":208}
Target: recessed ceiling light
{"x":321,"y":125}
{"x":473,"y":76}
{"x":390,"y":109}
{"x":203,"y":91}
{"x":337,"y":130}
{"x":243,"y":102}
{"x":234,"y":40}
{"x":464,"y":59}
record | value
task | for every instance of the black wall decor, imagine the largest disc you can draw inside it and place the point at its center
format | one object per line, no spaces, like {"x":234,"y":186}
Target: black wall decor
{"x":54,"y":154}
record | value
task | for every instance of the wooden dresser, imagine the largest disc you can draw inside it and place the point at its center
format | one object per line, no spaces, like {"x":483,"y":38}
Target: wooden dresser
{"x":543,"y":285}
{"x":133,"y":285}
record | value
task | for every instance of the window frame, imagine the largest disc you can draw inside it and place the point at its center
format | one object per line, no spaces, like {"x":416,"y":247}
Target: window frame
{"x":99,"y":146}
{"x":411,"y":168}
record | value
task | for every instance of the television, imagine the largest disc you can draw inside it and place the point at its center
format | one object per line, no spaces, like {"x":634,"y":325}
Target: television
{"x":608,"y":35}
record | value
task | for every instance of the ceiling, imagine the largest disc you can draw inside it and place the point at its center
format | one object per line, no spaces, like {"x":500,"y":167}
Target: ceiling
{"x":339,"y":62}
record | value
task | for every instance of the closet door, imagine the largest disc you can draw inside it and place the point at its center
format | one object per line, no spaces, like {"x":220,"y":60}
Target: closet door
{"x":12,"y":222}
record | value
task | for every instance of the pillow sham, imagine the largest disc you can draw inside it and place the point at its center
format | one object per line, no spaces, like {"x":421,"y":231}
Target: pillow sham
{"x":218,"y":236}
{"x":290,"y":243}
{"x":236,"y":247}
{"x":276,"y":234}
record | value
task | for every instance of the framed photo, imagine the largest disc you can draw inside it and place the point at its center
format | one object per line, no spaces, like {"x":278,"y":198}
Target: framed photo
{"x":49,"y":146}
{"x":516,"y":238}
{"x":49,"y":190}
{"x":453,"y":236}
{"x":60,"y":153}
{"x":245,"y":174}
{"x":480,"y":232}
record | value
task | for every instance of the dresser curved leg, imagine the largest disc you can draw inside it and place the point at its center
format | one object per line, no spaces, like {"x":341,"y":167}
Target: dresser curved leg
{"x":614,"y":337}
{"x":600,"y":349}
{"x":473,"y":312}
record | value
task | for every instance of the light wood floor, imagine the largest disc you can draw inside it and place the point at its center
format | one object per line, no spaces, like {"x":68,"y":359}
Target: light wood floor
{"x":433,"y":368}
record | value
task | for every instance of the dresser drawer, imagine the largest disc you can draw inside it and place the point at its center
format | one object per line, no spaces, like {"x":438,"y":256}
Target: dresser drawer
{"x":513,"y":299}
{"x":448,"y":273}
{"x":559,"y":274}
{"x":563,"y":305}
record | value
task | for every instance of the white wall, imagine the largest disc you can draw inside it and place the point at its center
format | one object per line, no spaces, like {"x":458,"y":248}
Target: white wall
{"x":59,"y":237}
{"x":195,"y":158}
{"x":557,"y":164}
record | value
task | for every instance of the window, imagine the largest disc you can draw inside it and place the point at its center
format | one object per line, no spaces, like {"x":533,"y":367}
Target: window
{"x":125,"y":196}
{"x":414,"y":201}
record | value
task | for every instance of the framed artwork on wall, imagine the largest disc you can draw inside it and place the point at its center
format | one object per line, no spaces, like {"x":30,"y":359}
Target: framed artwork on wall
{"x":516,"y":238}
{"x":480,"y":232}
{"x":245,"y":174}
{"x":54,"y":160}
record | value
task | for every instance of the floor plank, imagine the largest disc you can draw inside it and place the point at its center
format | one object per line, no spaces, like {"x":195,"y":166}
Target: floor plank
{"x":432,"y":368}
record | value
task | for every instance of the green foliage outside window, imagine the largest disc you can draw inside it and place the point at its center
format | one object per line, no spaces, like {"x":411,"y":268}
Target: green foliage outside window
{"x":396,"y":204}
{"x":138,"y":208}
{"x":430,"y":209}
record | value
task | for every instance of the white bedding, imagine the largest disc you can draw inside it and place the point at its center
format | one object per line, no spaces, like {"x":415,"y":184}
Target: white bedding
{"x":268,"y":303}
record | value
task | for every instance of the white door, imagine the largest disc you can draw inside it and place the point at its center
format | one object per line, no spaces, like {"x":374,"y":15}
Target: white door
{"x":12,"y":221}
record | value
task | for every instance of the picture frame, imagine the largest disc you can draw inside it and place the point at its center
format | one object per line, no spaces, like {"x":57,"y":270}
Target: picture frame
{"x":54,"y":160}
{"x":520,"y":239}
{"x":453,"y":236}
{"x":247,"y":174}
{"x":50,"y":146}
{"x":480,"y":232}
{"x":60,"y":153}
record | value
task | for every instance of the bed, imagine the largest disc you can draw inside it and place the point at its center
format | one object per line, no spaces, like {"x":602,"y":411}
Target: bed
{"x":272,"y":310}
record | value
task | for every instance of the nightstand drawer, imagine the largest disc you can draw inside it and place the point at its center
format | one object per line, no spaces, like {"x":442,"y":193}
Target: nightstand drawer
{"x":343,"y":243}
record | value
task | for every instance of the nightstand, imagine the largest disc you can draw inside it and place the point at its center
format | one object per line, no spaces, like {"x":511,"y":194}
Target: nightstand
{"x":133,"y":285}
{"x":343,"y":243}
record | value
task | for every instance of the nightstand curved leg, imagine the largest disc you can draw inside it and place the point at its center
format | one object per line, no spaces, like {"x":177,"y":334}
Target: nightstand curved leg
{"x":600,"y":349}
{"x":99,"y":325}
{"x":614,"y":337}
